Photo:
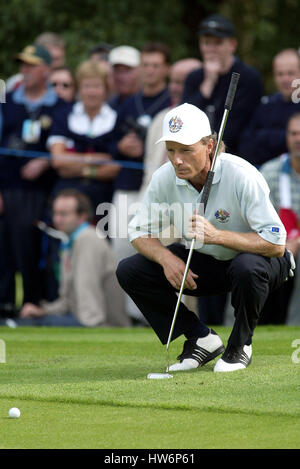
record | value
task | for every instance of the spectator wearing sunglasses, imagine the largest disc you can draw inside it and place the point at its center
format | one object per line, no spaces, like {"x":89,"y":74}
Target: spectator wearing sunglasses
{"x":63,"y":81}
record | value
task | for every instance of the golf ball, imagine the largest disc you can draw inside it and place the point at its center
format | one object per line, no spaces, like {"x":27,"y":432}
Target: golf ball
{"x":14,"y":413}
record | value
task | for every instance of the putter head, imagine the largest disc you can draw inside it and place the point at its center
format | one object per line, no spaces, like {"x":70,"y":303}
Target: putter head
{"x":159,"y":376}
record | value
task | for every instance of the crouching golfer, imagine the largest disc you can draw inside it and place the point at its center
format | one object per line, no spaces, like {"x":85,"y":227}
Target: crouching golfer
{"x":240,"y":244}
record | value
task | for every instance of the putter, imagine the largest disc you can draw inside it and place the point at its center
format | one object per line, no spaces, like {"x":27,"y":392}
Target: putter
{"x":204,"y":198}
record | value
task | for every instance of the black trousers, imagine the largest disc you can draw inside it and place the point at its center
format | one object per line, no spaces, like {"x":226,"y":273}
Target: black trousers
{"x":249,"y":277}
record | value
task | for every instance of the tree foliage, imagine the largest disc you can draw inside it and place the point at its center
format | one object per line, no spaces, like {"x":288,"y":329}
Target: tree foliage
{"x":264,"y":26}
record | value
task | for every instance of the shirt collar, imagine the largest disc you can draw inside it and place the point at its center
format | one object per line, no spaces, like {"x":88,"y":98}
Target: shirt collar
{"x":78,"y":109}
{"x":286,"y":163}
{"x":216,"y":179}
{"x":68,"y":244}
{"x":49,"y":98}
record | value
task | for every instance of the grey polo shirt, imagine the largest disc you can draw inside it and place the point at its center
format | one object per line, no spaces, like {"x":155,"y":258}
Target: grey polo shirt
{"x":238,"y":201}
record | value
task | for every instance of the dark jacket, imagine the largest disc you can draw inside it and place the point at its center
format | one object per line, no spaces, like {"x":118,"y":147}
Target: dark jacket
{"x":131,"y":117}
{"x":265,"y":136}
{"x":247,"y":98}
{"x":18,"y":115}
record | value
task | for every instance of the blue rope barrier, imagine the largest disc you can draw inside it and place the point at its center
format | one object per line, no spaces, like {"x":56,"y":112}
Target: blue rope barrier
{"x":39,"y":154}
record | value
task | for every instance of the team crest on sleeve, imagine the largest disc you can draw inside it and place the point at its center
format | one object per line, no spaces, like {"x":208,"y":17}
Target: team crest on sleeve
{"x":175,"y":124}
{"x":222,"y":215}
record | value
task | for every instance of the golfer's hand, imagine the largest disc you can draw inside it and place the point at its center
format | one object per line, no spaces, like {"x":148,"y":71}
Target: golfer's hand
{"x":212,"y":70}
{"x":202,"y":230}
{"x":30,"y":310}
{"x":174,"y":269}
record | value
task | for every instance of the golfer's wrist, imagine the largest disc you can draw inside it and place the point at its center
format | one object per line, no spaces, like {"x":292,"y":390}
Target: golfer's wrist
{"x":221,"y":238}
{"x":163,"y":256}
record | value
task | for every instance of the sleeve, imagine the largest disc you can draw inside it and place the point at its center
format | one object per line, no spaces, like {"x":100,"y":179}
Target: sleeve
{"x":248,"y":144}
{"x":247,"y":99}
{"x":125,"y":111}
{"x":261,"y":141}
{"x":88,"y":273}
{"x":155,"y":155}
{"x":59,"y":132}
{"x":258,"y":210}
{"x":61,"y":305}
{"x":191,"y":92}
{"x":57,"y":307}
{"x":271,"y":177}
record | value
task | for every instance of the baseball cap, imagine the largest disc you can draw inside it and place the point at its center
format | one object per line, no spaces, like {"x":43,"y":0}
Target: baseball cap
{"x":217,"y":25}
{"x":102,"y":49}
{"x":34,"y":55}
{"x":125,"y":55}
{"x":185,"y":124}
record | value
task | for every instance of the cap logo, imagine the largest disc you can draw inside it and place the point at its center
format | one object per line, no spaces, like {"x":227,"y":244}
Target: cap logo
{"x":175,"y":124}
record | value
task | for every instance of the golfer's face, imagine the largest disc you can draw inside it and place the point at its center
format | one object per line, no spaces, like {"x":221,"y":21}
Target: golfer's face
{"x":188,"y":160}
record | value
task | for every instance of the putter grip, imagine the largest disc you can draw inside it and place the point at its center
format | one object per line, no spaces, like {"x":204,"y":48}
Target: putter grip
{"x":231,"y":91}
{"x":206,"y":189}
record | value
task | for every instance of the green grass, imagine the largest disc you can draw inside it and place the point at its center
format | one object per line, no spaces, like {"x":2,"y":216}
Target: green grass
{"x":82,"y":388}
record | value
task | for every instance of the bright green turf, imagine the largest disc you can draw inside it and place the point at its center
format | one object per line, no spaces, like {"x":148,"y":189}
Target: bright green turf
{"x":80,"y":388}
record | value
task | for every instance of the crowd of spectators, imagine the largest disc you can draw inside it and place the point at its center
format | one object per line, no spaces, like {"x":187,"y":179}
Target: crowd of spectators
{"x":73,"y":139}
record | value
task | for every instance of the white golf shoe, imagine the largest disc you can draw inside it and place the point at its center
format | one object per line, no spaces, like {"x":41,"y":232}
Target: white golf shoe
{"x":234,"y":358}
{"x":198,"y":352}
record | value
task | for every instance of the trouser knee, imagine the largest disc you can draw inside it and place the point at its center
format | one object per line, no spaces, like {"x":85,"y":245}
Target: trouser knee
{"x":122,"y":272}
{"x":247,"y":271}
{"x":127,"y":274}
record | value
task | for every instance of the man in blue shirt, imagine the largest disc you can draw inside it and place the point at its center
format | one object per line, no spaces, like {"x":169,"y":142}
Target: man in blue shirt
{"x":25,"y":183}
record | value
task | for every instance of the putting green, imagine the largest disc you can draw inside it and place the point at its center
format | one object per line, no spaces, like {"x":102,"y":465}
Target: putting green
{"x":88,"y":388}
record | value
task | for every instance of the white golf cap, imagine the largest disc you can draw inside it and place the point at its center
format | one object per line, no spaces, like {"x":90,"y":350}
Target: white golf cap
{"x":185,"y":124}
{"x":125,"y":55}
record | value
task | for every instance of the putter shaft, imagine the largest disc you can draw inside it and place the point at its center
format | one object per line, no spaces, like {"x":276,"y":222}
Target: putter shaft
{"x":181,"y":291}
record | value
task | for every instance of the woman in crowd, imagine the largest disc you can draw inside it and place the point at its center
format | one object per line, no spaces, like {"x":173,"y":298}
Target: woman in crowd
{"x":63,"y":81}
{"x":81,"y":139}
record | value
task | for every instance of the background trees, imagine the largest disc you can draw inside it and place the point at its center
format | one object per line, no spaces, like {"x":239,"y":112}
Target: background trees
{"x":264,"y":26}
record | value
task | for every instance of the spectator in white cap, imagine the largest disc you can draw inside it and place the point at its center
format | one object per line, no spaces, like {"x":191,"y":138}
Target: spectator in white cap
{"x":125,"y":64}
{"x":240,"y":244}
